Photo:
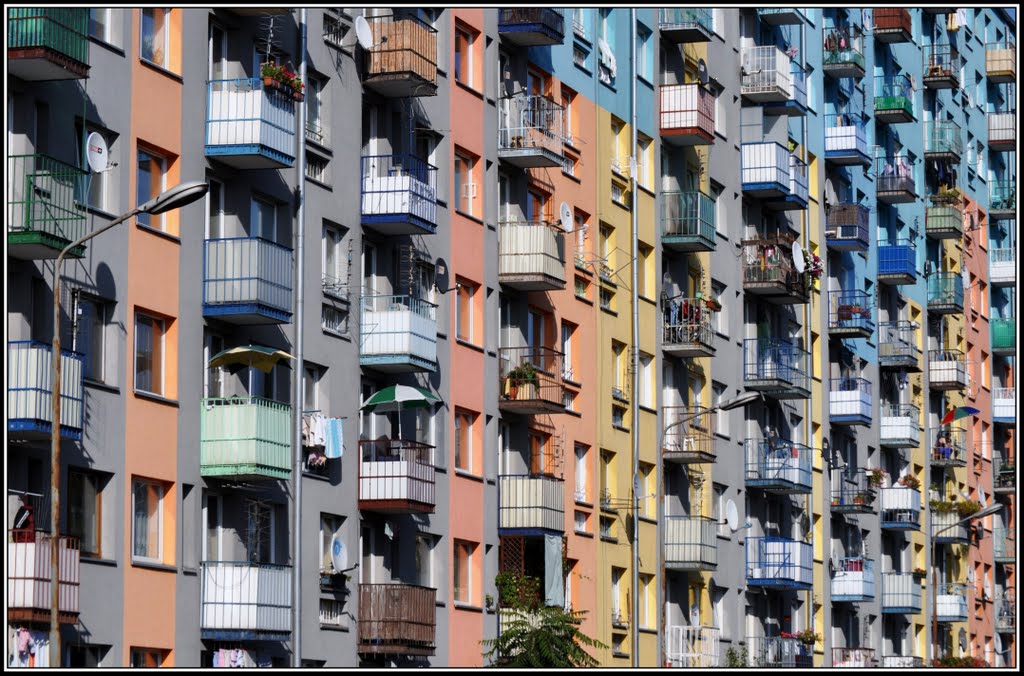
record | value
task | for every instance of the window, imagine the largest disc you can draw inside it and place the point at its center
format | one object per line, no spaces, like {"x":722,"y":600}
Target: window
{"x":579,"y":25}
{"x":332,"y":614}
{"x":645,"y":273}
{"x":581,"y":287}
{"x":582,"y":486}
{"x":335,"y":261}
{"x":464,"y":44}
{"x":260,"y":524}
{"x":568,"y":330}
{"x":579,"y":57}
{"x":568,"y":119}
{"x":150,"y":181}
{"x":647,"y":601}
{"x":722,"y":417}
{"x":93,"y":318}
{"x":425,"y":559}
{"x":464,"y":440}
{"x":334,"y":32}
{"x":263,"y":219}
{"x":316,"y":127}
{"x":330,"y":525}
{"x":618,"y":614}
{"x":465,"y":319}
{"x":154,"y":36}
{"x":465,"y":188}
{"x":462,"y":572}
{"x":101,"y":24}
{"x":83,"y":655}
{"x":147,"y":658}
{"x":618,"y":417}
{"x":644,"y":162}
{"x":646,"y":384}
{"x":334,"y":320}
{"x":149,"y":353}
{"x":720,"y":117}
{"x":580,"y":520}
{"x":147,"y":520}
{"x":720,"y":319}
{"x":619,"y":360}
{"x":85,"y":510}
{"x":569,"y":161}
{"x":644,"y":60}
{"x":607,"y":296}
{"x":316,"y":168}
{"x":718,"y":508}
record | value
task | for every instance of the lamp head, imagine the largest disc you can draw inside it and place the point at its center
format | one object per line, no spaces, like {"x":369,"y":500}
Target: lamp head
{"x":740,"y":400}
{"x":178,"y":196}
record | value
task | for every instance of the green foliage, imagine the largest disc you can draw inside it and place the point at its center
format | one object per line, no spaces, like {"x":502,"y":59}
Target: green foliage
{"x":736,"y":659}
{"x":808,"y":636}
{"x":523,"y":374}
{"x":966,"y":508}
{"x":965,"y":662}
{"x":544,"y":636}
{"x":942,"y":506}
{"x":517,"y":591}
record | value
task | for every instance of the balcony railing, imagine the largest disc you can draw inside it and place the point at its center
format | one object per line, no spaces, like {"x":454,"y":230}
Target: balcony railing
{"x":396,"y":476}
{"x":686,"y":328}
{"x":897,"y":346}
{"x":779,"y":563}
{"x":951,"y":602}
{"x":691,"y":543}
{"x":29,"y":577}
{"x":1004,"y":335}
{"x":398,"y":333}
{"x":1002,"y":199}
{"x":777,"y":368}
{"x":944,"y":219}
{"x":1002,"y":131}
{"x":779,"y":16}
{"x":946,"y":529}
{"x":846,"y":227}
{"x":399,"y":195}
{"x":949,"y":447}
{"x":901,"y":593}
{"x":1004,"y":545}
{"x":249,"y":126}
{"x":900,"y":508}
{"x":943,"y":139}
{"x":849,"y":401}
{"x":776,"y":652}
{"x":1004,"y":408}
{"x":48,"y":43}
{"x":854,"y":582}
{"x":897,"y":262}
{"x":765,"y":169}
{"x":778,"y":465}
{"x":852,"y":658}
{"x":941,"y":66}
{"x":530,"y":380}
{"x":691,"y":441}
{"x":1004,"y":470}
{"x":945,"y":293}
{"x":896,"y":179}
{"x":30,"y":391}
{"x":1002,"y":266}
{"x":947,"y":370}
{"x":1001,"y":62}
{"x":798,"y":194}
{"x":687,"y":114}
{"x":247,"y":280}
{"x":531,"y":256}
{"x":852,"y":493}
{"x":686,"y":25}
{"x":530,"y":503}
{"x":893,"y":25}
{"x":769,"y":271}
{"x":1006,"y":613}
{"x":900,"y":426}
{"x":241,"y":600}
{"x":767,"y":75}
{"x":531,"y":131}
{"x":44,"y":213}
{"x":851,"y":314}
{"x":396,"y":619}
{"x":901,"y":661}
{"x":692,"y":647}
{"x":245,"y":438}
{"x":688,"y":221}
{"x":402,"y":60}
{"x":894,"y":98}
{"x":842,"y":53}
{"x":532,"y":26}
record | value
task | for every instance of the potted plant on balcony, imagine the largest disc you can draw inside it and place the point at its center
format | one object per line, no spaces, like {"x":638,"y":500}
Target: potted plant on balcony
{"x":808,"y":637}
{"x":862,"y":498}
{"x":965,"y":508}
{"x":910,"y":481}
{"x":942,"y":506}
{"x":523,"y":375}
{"x":876,"y":477}
{"x":272,"y":74}
{"x":919,"y":573}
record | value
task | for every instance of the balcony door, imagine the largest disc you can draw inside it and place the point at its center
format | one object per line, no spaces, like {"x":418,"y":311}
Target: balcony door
{"x":263,"y":219}
{"x":215,"y":210}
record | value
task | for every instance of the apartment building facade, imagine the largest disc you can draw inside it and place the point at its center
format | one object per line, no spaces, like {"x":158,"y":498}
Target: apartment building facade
{"x":569,"y":236}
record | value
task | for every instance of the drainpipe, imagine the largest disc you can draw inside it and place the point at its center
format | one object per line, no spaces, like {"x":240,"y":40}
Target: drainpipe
{"x":635,"y":338}
{"x":300,"y":271}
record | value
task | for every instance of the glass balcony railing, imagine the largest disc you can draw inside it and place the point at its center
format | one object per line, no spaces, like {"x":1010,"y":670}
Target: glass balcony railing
{"x":893,"y":25}
{"x":687,"y":114}
{"x":402,"y":60}
{"x":1004,"y":335}
{"x":900,"y":426}
{"x":30,"y":392}
{"x":245,"y":438}
{"x":900,"y":508}
{"x":530,"y":503}
{"x":851,"y":313}
{"x":897,"y":262}
{"x":48,"y":43}
{"x":692,"y":441}
{"x":247,"y":280}
{"x":686,"y":24}
{"x":947,"y":370}
{"x":1002,"y":266}
{"x":691,"y":543}
{"x":946,"y":293}
{"x":532,"y":26}
{"x":951,"y":602}
{"x":249,"y":126}
{"x":687,"y":329}
{"x":896,"y":183}
{"x":1001,"y":62}
{"x":941,"y":66}
{"x":901,"y":593}
{"x":531,"y":256}
{"x":531,"y":130}
{"x":244,"y":601}
{"x":1002,"y":199}
{"x":44,"y":207}
{"x":398,"y":333}
{"x":943,"y":139}
{"x":849,"y":401}
{"x":396,"y":476}
{"x":894,"y":98}
{"x":776,"y":367}
{"x":842,"y":52}
{"x":399,"y":195}
{"x":846,"y":227}
{"x":688,"y":221}
{"x":779,"y":563}
{"x":778,"y":466}
{"x":898,"y":346}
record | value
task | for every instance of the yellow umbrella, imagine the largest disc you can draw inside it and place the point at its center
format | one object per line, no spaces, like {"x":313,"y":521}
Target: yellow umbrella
{"x":253,"y":356}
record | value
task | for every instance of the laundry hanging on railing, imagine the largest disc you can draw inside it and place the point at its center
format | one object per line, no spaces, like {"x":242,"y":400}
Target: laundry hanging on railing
{"x":323,"y":435}
{"x":335,"y":439}
{"x":29,"y":649}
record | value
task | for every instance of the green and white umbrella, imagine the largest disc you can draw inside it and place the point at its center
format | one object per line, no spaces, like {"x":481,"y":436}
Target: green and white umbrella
{"x":399,"y":398}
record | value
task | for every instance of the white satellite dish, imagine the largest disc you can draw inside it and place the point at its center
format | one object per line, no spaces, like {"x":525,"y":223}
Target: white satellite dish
{"x":830,"y":192}
{"x":798,"y":258}
{"x":339,"y":555}
{"x":96,"y":152}
{"x":565,"y":214}
{"x":732,"y":517}
{"x":984,"y":498}
{"x":364,"y":36}
{"x":998,"y":643}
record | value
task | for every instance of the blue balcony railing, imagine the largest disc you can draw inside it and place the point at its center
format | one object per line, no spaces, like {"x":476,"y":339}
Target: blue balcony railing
{"x":398,"y":333}
{"x":30,"y":391}
{"x":247,"y":280}
{"x":849,"y":401}
{"x":846,"y":227}
{"x":901,"y":593}
{"x":897,"y":262}
{"x":851,"y":313}
{"x":688,"y":221}
{"x":249,"y":127}
{"x":686,"y":24}
{"x":778,"y":465}
{"x":779,"y":563}
{"x":399,"y":195}
{"x":776,"y":367}
{"x":854,"y":580}
{"x":900,"y":508}
{"x":846,"y":140}
{"x":765,"y":169}
{"x":691,"y":543}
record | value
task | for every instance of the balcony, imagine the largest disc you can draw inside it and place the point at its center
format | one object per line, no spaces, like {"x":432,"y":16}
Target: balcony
{"x":939,"y":10}
{"x":1002,"y":266}
{"x":901,"y":661}
{"x":249,"y":126}
{"x":895,"y":180}
{"x":30,"y":392}
{"x":530,"y":504}
{"x":897,"y":346}
{"x":686,"y":25}
{"x":944,"y":219}
{"x":941,"y":66}
{"x":897,"y":262}
{"x":29,"y":575}
{"x":1002,"y":131}
{"x":901,"y":593}
{"x":531,"y":256}
{"x":778,"y":466}
{"x":779,"y":563}
{"x":1006,"y":613}
{"x":765,"y":169}
{"x":781,"y":16}
{"x":398,"y":334}
{"x":947,"y":370}
{"x":769,"y":272}
{"x":399,"y":195}
{"x":852,"y":493}
{"x":852,"y":658}
{"x":396,"y":619}
{"x":894,"y":99}
{"x":776,"y":652}
{"x":842,"y":53}
{"x":850,"y":314}
{"x":245,"y":438}
{"x":403,"y":59}
{"x":687,"y":330}
{"x":893,"y":25}
{"x":43,"y":210}
{"x":853,"y":582}
{"x":950,"y":447}
{"x":849,"y":401}
{"x":900,"y":508}
{"x":900,"y":426}
{"x":692,"y":441}
{"x":1002,"y":200}
{"x":951,"y":602}
{"x":846,"y":141}
{"x":1004,"y":336}
{"x":796,"y":103}
{"x":530,"y":380}
{"x":1004,"y":472}
{"x":247,"y":280}
{"x":396,"y":476}
{"x":46,"y":43}
{"x":687,"y":115}
{"x":691,"y":543}
{"x":244,"y":601}
{"x":945,"y":529}
{"x":1001,"y":62}
{"x":945,"y":293}
{"x":766,"y":75}
{"x":692,"y":647}
{"x":777,"y":368}
{"x":1004,"y":543}
{"x":846,"y":227}
{"x":1004,"y":409}
{"x":688,"y":221}
{"x":943,"y":140}
{"x":532,"y":26}
{"x":531,"y":131}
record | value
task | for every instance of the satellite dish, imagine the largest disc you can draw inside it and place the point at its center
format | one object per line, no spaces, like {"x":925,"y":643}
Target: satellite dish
{"x":364,"y":36}
{"x":339,"y":555}
{"x":731,"y":516}
{"x":830,"y":192}
{"x":988,"y":588}
{"x":702,"y":72}
{"x":798,"y":258}
{"x":984,"y":498}
{"x":565,"y":213}
{"x":441,"y":273}
{"x":636,"y":485}
{"x":963,"y":639}
{"x":997,"y":641}
{"x":96,"y":152}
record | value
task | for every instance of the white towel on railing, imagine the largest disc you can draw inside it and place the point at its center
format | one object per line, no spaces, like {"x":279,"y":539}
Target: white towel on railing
{"x":335,"y":438}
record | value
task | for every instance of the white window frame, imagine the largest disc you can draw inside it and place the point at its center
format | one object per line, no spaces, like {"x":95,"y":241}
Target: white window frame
{"x":162,"y":325}
{"x":719,"y":391}
{"x":331,"y":241}
{"x":646,"y":380}
{"x":166,"y":37}
{"x":466,"y":69}
{"x":315,"y":109}
{"x":467,"y":595}
{"x":582,"y":487}
{"x":567,"y":341}
{"x":108,"y":33}
{"x":721,"y":318}
{"x":214,"y":203}
{"x":160,"y":521}
{"x":222,"y":57}
{"x":431,"y":572}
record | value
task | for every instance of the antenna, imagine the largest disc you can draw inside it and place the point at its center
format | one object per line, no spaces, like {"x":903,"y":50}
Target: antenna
{"x":565,"y":213}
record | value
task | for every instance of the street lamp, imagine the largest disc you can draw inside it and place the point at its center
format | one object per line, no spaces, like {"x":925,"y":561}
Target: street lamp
{"x":178,"y":196}
{"x":991,"y":509}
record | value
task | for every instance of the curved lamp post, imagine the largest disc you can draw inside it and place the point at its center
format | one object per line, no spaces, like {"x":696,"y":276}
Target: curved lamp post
{"x":178,"y":196}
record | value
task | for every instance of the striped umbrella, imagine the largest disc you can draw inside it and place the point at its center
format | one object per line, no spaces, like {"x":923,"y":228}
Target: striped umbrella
{"x":958,"y":413}
{"x":399,"y":398}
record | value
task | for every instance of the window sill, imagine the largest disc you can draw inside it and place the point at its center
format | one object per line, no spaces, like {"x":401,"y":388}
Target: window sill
{"x":106,"y":45}
{"x":466,"y":474}
{"x":472,"y":346}
{"x":610,"y":311}
{"x":647,"y":630}
{"x":343,"y":336}
{"x":582,"y":299}
{"x":469,"y":88}
{"x":99,"y":561}
{"x":330,"y":627}
{"x":323,"y":185}
{"x":471,"y":217}
{"x":190,"y":571}
{"x":152,"y":565}
{"x":609,"y":538}
{"x":98,"y":385}
{"x":571,"y":412}
{"x":645,"y":189}
{"x":643,"y":79}
{"x":320,"y":146}
{"x":583,"y":534}
{"x":313,"y":475}
{"x":459,"y":605}
{"x":648,"y":409}
{"x":647,"y":519}
{"x":158,"y":232}
{"x":156,"y":398}
{"x":584,"y":503}
{"x":160,"y":69}
{"x":571,"y":177}
{"x":620,"y":428}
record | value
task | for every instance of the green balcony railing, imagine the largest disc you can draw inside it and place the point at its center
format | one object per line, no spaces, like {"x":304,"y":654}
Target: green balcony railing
{"x":245,"y":437}
{"x":1004,"y":545}
{"x":63,"y":30}
{"x":1004,"y":333}
{"x":42,"y":205}
{"x":688,"y":221}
